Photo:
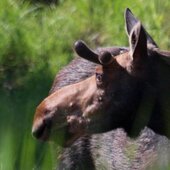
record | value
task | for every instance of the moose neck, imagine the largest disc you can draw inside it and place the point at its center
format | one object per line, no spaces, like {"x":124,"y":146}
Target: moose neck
{"x":89,"y":152}
{"x":76,"y":156}
{"x":99,"y":151}
{"x":153,"y":110}
{"x":144,"y":111}
{"x":163,"y":80}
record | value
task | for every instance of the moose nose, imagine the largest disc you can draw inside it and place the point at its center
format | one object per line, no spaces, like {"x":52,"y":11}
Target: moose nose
{"x":41,"y":129}
{"x":38,"y":129}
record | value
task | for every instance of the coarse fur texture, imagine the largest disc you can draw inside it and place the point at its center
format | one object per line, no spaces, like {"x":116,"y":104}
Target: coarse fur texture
{"x":114,"y":150}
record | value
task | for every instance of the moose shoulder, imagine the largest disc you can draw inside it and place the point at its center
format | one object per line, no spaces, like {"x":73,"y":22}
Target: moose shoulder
{"x":127,"y":90}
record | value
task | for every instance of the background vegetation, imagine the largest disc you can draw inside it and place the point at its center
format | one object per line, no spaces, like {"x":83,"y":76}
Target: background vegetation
{"x":36,"y":39}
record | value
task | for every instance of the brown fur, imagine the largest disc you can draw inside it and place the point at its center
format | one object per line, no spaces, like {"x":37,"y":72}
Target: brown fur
{"x":123,"y":90}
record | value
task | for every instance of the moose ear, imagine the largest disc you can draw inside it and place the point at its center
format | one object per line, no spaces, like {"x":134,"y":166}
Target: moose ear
{"x":131,"y":21}
{"x":138,"y":43}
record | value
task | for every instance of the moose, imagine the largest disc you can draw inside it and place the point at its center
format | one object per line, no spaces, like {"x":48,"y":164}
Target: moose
{"x":111,"y":105}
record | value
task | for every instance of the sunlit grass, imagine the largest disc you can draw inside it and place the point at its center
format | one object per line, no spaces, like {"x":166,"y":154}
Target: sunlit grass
{"x":36,"y":41}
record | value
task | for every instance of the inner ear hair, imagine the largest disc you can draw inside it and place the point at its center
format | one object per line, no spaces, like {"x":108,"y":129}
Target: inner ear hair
{"x":131,"y":21}
{"x":138,"y":41}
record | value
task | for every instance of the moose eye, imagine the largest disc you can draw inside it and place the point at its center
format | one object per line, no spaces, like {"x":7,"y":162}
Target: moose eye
{"x":99,"y":77}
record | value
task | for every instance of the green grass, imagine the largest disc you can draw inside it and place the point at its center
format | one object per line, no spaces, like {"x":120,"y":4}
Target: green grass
{"x":36,"y":41}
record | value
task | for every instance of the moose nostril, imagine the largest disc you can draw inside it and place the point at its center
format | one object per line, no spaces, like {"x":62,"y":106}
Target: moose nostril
{"x":38,"y":130}
{"x":41,"y":129}
{"x":47,"y":122}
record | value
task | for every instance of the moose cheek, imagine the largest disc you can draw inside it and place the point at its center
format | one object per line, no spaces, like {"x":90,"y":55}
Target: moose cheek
{"x":92,"y":110}
{"x":76,"y":124}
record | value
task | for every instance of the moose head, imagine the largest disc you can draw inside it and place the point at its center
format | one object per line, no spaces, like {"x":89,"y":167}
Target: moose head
{"x":107,"y":100}
{"x":103,"y":98}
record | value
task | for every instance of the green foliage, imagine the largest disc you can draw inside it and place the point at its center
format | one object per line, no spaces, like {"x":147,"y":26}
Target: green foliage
{"x":36,"y":41}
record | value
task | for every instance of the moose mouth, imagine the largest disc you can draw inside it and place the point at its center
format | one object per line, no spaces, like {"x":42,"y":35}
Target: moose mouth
{"x":46,"y":129}
{"x":43,"y":131}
